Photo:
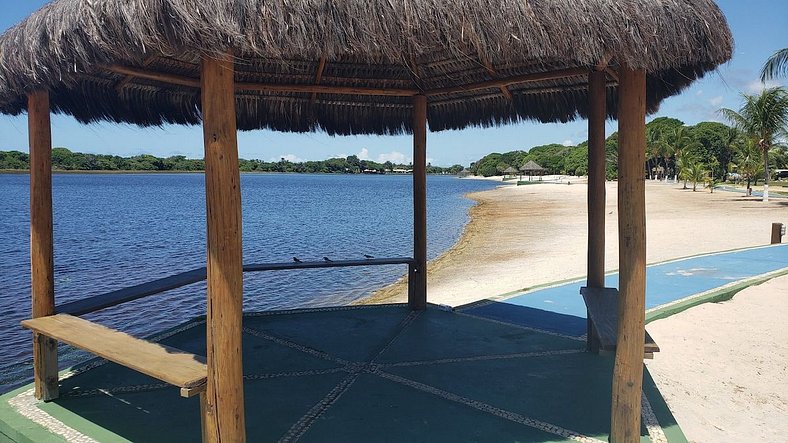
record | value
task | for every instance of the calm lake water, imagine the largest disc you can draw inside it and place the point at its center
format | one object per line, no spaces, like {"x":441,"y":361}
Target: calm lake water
{"x":113,"y":231}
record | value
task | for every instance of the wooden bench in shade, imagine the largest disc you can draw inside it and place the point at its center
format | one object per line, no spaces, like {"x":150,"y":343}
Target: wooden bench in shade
{"x":602,"y":304}
{"x":178,"y":368}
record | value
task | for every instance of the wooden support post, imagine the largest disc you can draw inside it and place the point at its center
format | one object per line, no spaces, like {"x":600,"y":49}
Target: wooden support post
{"x":224,"y":407}
{"x":628,"y":369}
{"x":417,"y":297}
{"x":777,"y":233}
{"x":597,"y":111}
{"x":42,"y":268}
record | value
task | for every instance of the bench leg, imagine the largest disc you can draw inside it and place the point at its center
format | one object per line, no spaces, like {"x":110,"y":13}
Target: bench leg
{"x":45,"y":367}
{"x":592,"y":338}
{"x":203,"y":415}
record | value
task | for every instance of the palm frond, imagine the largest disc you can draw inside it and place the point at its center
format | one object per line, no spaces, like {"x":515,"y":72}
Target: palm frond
{"x":776,"y":65}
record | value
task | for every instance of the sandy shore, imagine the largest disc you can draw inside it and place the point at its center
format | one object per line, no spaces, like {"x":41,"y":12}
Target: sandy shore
{"x":524,"y":236}
{"x":723,"y":368}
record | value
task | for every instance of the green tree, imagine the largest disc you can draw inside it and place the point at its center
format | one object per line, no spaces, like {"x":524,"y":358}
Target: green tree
{"x":681,"y":142}
{"x":696,"y":173}
{"x":748,"y":163}
{"x":763,"y":117}
{"x":14,"y":160}
{"x":684,"y":164}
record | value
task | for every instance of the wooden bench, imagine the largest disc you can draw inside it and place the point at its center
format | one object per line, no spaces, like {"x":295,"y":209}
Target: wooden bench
{"x":178,"y":368}
{"x":602,"y":304}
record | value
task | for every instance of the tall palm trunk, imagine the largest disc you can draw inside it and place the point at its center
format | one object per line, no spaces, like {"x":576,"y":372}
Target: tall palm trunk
{"x":765,"y":173}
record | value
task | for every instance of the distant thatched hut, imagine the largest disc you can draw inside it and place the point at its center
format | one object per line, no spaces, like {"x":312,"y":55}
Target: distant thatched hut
{"x":510,"y":172}
{"x":532,"y":168}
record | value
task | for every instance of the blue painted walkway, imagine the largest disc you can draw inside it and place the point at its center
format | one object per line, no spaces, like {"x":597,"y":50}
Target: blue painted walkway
{"x":561,"y":308}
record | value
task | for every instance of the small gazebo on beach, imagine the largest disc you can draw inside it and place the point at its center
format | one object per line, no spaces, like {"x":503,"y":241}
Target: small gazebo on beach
{"x":511,"y":171}
{"x":531,"y":168}
{"x":350,"y":67}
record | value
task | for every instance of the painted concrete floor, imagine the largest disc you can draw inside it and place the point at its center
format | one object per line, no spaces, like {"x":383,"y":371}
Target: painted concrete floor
{"x":358,"y":374}
{"x":512,"y":369}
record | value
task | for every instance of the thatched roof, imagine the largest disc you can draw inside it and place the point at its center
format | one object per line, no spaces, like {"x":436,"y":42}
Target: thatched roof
{"x":532,"y":166}
{"x":510,"y":170}
{"x":76,"y":48}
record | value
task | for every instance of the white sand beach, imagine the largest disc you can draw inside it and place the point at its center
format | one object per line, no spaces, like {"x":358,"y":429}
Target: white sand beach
{"x":723,"y":368}
{"x":524,"y":236}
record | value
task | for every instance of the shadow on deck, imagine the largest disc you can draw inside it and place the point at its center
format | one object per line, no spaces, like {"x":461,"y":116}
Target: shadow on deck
{"x":368,"y":373}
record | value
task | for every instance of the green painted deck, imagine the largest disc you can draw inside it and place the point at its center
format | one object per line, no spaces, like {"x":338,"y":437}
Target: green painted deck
{"x":357,"y":374}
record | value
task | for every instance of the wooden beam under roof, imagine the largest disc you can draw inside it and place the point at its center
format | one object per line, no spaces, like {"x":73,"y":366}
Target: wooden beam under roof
{"x":129,"y":78}
{"x":263,"y":87}
{"x":352,"y":90}
{"x":494,"y":74}
{"x":509,"y":81}
{"x":318,"y":78}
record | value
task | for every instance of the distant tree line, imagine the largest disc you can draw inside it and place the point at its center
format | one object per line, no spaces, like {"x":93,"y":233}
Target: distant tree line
{"x":66,"y":160}
{"x":670,"y":147}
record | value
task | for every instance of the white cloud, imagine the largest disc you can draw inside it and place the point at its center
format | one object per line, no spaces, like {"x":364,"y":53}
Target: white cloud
{"x":288,"y":157}
{"x":364,"y":154}
{"x":568,"y":142}
{"x":716,"y":101}
{"x":757,"y":86}
{"x":393,"y":157}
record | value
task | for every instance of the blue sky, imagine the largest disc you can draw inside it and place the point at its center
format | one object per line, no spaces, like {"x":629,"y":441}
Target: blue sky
{"x":759,"y":29}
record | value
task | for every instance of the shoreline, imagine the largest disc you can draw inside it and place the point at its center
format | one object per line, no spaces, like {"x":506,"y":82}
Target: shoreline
{"x":147,"y":171}
{"x":393,"y":293}
{"x":519,"y":237}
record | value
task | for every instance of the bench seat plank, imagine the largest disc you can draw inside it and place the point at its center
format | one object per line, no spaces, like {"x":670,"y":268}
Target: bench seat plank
{"x":159,"y":361}
{"x":602,"y":304}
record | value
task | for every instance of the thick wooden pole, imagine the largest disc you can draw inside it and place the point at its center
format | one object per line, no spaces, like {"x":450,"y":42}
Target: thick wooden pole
{"x":597,"y":111}
{"x":417,"y":297}
{"x":42,"y":269}
{"x":224,"y":395}
{"x":777,"y":233}
{"x":628,"y":369}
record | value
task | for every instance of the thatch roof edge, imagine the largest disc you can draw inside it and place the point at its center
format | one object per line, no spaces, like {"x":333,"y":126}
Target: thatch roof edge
{"x":61,"y":46}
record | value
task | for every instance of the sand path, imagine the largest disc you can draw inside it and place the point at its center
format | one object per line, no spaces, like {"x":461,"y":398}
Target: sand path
{"x":523,"y":236}
{"x":723,"y":368}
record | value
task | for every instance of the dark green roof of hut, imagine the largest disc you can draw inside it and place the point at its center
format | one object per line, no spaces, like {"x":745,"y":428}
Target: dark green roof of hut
{"x":138,"y":61}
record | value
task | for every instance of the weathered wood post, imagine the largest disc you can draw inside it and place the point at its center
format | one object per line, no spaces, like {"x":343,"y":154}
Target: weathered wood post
{"x":777,"y":233}
{"x":224,"y":402}
{"x":597,"y":112}
{"x":417,"y":297}
{"x":42,"y":268}
{"x":628,"y":369}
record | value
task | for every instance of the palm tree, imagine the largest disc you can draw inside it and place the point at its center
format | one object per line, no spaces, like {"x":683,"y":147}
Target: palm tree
{"x":683,"y":164}
{"x":696,"y":173}
{"x":776,"y":66}
{"x":656,"y":149}
{"x":711,"y":182}
{"x":763,"y":117}
{"x":681,"y":141}
{"x":748,"y":162}
{"x":732,"y":139}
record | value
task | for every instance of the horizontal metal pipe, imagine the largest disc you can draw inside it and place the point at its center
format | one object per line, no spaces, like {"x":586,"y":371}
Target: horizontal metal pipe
{"x":125,"y":295}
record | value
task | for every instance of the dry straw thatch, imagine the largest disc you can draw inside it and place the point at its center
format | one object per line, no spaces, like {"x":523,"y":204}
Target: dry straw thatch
{"x":532,"y":166}
{"x":417,"y":44}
